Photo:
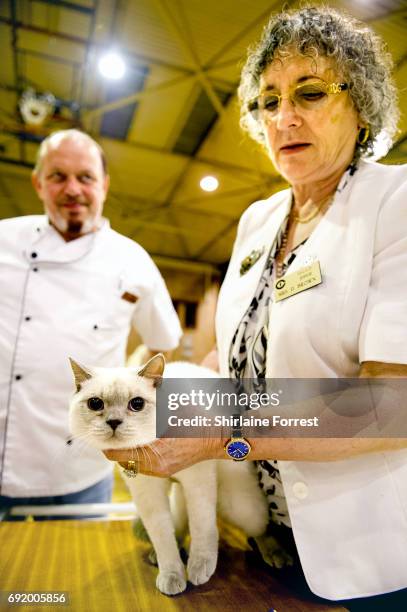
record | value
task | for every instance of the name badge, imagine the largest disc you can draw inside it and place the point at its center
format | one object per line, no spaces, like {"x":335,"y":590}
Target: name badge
{"x":298,"y":281}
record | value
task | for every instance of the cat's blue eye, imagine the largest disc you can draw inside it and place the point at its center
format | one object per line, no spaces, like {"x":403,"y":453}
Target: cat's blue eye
{"x":136,"y":404}
{"x":95,"y":403}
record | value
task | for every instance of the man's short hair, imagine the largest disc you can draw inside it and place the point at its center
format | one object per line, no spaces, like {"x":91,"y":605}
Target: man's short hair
{"x":57,"y":137}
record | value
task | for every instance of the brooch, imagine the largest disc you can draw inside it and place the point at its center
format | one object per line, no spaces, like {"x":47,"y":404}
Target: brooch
{"x":250,"y":260}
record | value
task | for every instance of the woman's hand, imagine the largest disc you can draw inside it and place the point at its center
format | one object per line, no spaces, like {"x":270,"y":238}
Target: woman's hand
{"x":166,"y":456}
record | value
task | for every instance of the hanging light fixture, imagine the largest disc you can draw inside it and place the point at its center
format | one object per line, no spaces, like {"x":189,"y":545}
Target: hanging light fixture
{"x":111,"y":65}
{"x":209,"y":183}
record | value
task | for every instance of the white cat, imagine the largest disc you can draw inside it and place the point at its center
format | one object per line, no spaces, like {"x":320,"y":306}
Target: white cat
{"x":116,"y":408}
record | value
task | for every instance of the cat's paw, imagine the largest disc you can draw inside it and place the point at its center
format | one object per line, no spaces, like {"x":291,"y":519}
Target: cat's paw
{"x":273,"y":552}
{"x":201,"y":566}
{"x":171,"y":583}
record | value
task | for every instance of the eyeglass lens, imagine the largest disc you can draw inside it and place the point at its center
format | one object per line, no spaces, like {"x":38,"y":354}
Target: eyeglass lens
{"x":308,"y":96}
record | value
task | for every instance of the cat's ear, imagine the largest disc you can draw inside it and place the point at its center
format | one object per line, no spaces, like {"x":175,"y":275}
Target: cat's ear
{"x":80,"y":373}
{"x":154,"y":368}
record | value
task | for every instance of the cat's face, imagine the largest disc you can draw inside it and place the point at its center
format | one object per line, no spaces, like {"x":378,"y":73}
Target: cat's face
{"x":115,"y":407}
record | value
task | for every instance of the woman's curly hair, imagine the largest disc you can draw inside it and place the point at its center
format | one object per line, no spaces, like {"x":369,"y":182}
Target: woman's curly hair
{"x":358,"y":53}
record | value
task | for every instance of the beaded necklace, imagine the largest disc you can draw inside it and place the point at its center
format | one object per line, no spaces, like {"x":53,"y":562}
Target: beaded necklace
{"x":280,"y":256}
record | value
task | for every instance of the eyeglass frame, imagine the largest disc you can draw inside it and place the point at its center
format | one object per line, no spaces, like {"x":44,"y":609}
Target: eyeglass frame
{"x":331,"y":88}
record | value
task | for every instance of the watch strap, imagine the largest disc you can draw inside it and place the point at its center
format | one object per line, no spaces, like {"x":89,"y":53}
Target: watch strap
{"x":236,"y":428}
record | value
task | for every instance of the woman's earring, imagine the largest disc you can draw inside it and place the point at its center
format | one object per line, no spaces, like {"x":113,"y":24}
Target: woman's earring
{"x":363,"y":135}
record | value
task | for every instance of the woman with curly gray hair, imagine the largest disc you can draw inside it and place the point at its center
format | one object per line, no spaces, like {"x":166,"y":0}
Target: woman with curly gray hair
{"x":356,"y":52}
{"x":317,"y":288}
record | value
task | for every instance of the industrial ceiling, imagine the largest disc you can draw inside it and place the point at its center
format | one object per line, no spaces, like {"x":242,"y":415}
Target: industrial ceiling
{"x":171,"y":119}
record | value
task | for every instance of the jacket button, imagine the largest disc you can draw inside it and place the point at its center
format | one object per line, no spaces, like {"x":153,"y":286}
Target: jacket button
{"x":18,"y":377}
{"x":27,"y":318}
{"x":300,"y":490}
{"x":35,"y":269}
{"x":33,"y":254}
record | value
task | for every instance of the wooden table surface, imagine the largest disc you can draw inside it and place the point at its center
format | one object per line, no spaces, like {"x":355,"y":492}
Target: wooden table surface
{"x":102,"y":567}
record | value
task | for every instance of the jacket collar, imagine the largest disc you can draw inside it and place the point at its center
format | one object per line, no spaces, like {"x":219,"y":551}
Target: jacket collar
{"x":49,"y":246}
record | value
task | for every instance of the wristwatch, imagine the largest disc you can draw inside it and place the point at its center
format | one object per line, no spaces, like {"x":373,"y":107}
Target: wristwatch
{"x":237,"y":447}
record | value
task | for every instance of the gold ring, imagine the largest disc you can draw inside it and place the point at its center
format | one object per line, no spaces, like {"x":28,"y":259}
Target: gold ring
{"x":130,"y":470}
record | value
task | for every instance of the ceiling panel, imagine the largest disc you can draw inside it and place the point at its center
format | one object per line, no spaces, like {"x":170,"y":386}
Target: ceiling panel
{"x":190,"y":53}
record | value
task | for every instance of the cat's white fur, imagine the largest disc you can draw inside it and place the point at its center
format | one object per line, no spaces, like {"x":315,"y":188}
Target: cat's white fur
{"x":225,"y":486}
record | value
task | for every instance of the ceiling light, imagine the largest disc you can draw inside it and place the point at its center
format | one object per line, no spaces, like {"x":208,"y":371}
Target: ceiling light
{"x":209,"y":183}
{"x":112,"y":66}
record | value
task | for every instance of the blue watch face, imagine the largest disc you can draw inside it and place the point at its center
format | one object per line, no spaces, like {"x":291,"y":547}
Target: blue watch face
{"x":238,"y":449}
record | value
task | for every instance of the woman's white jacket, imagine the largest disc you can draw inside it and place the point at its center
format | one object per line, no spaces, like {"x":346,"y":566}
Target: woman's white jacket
{"x":349,"y":517}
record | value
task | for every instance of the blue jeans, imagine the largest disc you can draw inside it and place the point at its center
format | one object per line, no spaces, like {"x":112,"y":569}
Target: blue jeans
{"x":101,"y":492}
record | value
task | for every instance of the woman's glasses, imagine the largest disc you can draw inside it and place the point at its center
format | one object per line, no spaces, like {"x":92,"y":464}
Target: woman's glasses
{"x":308,"y":96}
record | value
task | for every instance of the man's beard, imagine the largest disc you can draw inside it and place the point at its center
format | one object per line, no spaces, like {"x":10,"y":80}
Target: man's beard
{"x":74,"y":228}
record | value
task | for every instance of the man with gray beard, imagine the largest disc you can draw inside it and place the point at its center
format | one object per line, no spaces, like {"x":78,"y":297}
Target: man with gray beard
{"x":69,"y":286}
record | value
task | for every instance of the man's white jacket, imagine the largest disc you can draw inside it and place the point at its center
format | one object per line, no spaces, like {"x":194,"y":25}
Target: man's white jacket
{"x":57,"y":300}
